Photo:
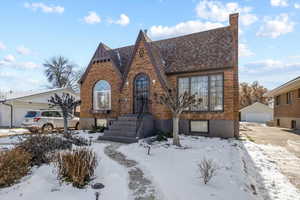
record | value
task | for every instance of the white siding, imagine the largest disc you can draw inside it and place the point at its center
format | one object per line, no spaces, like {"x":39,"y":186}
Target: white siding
{"x":4,"y":116}
{"x":24,"y":104}
{"x":257,"y":112}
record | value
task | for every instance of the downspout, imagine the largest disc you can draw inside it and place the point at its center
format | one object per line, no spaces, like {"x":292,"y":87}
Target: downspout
{"x":11,"y":112}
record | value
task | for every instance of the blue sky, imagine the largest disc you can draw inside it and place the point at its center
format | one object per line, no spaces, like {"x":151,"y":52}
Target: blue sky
{"x":33,"y":31}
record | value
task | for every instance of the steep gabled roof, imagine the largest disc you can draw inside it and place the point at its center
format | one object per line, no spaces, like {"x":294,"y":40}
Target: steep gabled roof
{"x":102,"y":52}
{"x":153,"y":57}
{"x":212,"y":49}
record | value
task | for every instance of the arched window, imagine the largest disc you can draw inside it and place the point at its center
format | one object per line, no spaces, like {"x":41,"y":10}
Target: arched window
{"x":102,"y":96}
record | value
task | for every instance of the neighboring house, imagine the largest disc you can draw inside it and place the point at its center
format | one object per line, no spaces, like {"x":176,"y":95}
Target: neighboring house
{"x":14,"y":106}
{"x":119,"y":84}
{"x":256,"y":112}
{"x":287,"y":104}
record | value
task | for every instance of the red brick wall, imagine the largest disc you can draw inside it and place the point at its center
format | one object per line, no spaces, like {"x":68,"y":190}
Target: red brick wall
{"x":100,"y":71}
{"x":143,"y":65}
{"x":122,"y":100}
{"x":228,"y":113}
{"x":288,"y":110}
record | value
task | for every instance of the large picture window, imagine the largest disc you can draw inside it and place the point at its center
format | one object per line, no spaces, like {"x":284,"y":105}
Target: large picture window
{"x":199,"y":86}
{"x":208,"y":88}
{"x":216,"y":92}
{"x":102,"y":96}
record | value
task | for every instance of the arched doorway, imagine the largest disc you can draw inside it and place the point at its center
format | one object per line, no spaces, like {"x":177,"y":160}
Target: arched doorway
{"x":141,"y":94}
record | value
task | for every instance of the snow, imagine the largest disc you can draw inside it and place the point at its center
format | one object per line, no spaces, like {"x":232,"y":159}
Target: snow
{"x":14,"y":131}
{"x":241,"y":164}
{"x":273,"y":184}
{"x":42,"y":183}
{"x":245,"y":171}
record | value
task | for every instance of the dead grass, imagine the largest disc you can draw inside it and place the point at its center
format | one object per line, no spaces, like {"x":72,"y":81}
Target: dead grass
{"x":76,"y":166}
{"x":14,"y":165}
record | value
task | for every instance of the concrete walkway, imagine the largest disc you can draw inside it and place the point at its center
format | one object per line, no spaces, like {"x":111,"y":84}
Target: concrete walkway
{"x":281,"y":146}
{"x":142,"y":187}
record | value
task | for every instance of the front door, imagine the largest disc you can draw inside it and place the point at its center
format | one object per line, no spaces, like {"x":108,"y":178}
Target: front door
{"x":141,"y":93}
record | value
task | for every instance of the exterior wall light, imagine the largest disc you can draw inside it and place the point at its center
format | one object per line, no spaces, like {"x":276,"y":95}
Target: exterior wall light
{"x":153,"y":81}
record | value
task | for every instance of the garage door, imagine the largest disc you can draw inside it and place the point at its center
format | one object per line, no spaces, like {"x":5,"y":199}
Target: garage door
{"x":258,"y":117}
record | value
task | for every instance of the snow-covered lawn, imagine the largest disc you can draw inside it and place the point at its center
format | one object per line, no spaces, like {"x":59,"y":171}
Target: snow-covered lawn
{"x":13,"y":131}
{"x":244,"y":169}
{"x":42,"y":183}
{"x":245,"y":172}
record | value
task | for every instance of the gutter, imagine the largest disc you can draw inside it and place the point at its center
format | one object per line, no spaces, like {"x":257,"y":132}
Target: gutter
{"x":11,"y":112}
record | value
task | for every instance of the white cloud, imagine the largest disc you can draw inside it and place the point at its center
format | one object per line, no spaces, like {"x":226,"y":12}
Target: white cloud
{"x":276,"y":27}
{"x":9,"y":58}
{"x":2,"y":62}
{"x":2,"y":46}
{"x":217,"y":11}
{"x":10,"y":61}
{"x":45,"y":8}
{"x":23,"y":50}
{"x":269,"y":64}
{"x":92,"y":18}
{"x":27,"y":65}
{"x":123,"y":20}
{"x":279,"y":3}
{"x":295,"y":57}
{"x":244,"y":51}
{"x":182,"y":28}
{"x":248,"y":19}
{"x":297,"y":5}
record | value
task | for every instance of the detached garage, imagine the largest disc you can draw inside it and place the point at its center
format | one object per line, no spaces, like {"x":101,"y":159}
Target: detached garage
{"x":14,"y":106}
{"x":256,"y":112}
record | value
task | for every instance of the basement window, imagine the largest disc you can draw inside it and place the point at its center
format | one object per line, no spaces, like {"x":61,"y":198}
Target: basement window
{"x":200,"y":126}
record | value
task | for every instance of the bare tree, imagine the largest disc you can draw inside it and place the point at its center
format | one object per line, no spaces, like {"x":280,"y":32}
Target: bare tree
{"x":208,"y":170}
{"x":177,"y":103}
{"x":66,"y":103}
{"x":60,"y":72}
{"x":251,"y":93}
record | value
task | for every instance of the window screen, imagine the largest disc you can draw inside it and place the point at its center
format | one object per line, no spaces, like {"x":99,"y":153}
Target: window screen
{"x":199,"y":86}
{"x":216,"y":92}
{"x":199,"y":126}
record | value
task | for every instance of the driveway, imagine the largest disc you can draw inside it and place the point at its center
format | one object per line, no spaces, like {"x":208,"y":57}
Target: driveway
{"x":4,"y":132}
{"x":280,"y":144}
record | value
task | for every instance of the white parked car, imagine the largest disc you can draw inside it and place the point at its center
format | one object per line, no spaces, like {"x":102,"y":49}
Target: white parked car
{"x":47,"y":120}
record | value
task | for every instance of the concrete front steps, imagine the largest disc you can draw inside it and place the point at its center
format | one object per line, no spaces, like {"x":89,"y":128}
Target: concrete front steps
{"x":124,"y":129}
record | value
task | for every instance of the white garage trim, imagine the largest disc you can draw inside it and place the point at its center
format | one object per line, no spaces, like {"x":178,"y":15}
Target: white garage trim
{"x":256,"y":112}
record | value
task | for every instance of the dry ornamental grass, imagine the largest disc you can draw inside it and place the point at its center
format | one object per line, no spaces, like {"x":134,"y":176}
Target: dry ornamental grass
{"x":14,"y":165}
{"x":76,"y":166}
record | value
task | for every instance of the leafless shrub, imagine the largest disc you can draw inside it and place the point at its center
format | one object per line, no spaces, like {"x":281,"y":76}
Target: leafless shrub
{"x":42,"y":148}
{"x":208,"y":170}
{"x":14,"y":164}
{"x":76,"y":166}
{"x":79,"y":141}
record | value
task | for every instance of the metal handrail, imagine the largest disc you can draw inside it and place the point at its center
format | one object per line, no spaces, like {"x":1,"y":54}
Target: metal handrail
{"x":141,"y":112}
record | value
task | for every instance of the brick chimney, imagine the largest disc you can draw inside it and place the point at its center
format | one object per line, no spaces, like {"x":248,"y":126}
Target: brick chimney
{"x":234,"y":19}
{"x":234,"y":26}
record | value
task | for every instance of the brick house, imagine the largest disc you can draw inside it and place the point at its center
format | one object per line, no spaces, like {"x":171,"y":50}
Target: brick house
{"x":119,"y":84}
{"x":287,"y":104}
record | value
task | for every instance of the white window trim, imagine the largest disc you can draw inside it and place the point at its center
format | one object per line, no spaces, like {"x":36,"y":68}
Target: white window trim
{"x":96,"y":102}
{"x":199,"y":131}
